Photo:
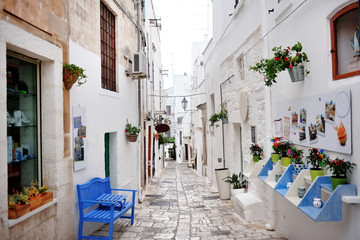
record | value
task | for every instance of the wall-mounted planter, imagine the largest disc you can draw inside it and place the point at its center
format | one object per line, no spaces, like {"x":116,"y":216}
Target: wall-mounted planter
{"x":132,"y":138}
{"x":296,"y":73}
{"x":292,"y":194}
{"x":253,"y":169}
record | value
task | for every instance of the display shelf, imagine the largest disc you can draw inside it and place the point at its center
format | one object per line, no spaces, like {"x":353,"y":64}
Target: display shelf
{"x":281,"y":186}
{"x":265,"y":170}
{"x":253,"y":168}
{"x":351,"y":199}
{"x":292,"y":194}
{"x":331,"y":209}
{"x":271,"y":179}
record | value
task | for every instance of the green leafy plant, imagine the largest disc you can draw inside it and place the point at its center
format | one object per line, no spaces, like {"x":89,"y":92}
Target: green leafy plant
{"x":317,"y":158}
{"x":17,"y":198}
{"x":339,"y":167}
{"x":237,"y":181}
{"x":296,"y":155}
{"x":218,"y":116}
{"x":283,"y":59}
{"x":283,"y":147}
{"x":131,"y":130}
{"x":73,"y":73}
{"x":275,"y":145}
{"x":256,"y":150}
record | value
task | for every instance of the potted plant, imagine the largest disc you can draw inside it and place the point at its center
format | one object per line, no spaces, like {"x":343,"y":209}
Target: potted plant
{"x":256,"y":151}
{"x":46,"y":195}
{"x":288,"y":58}
{"x":33,"y":194}
{"x":237,"y":182}
{"x":284,"y":146}
{"x":73,"y":73}
{"x":222,"y":115}
{"x":275,"y":155}
{"x":18,"y":205}
{"x":339,"y":168}
{"x":297,"y":155}
{"x":131,"y":132}
{"x":317,"y":158}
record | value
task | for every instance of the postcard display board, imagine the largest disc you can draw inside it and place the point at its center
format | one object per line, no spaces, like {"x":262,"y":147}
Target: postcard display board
{"x":79,"y":138}
{"x":322,"y":121}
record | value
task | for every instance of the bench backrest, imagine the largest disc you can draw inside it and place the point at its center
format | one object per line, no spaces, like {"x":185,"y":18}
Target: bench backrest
{"x":91,"y":190}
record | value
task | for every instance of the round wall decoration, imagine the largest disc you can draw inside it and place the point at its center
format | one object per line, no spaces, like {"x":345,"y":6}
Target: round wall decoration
{"x":162,"y":127}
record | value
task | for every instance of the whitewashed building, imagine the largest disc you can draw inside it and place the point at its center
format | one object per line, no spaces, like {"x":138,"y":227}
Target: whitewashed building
{"x":245,"y":32}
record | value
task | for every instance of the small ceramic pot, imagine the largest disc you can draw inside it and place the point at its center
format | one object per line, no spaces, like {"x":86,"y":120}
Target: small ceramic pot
{"x":301,"y":192}
{"x":288,"y":185}
{"x":317,"y":202}
{"x":277,"y":177}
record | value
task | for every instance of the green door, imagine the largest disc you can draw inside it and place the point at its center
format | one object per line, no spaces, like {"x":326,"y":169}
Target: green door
{"x":107,"y":158}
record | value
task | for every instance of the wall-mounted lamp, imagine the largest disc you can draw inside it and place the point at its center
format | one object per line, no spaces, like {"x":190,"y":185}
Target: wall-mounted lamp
{"x":184,"y":103}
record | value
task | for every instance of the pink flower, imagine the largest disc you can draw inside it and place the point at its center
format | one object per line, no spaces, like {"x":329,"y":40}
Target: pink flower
{"x":291,"y":66}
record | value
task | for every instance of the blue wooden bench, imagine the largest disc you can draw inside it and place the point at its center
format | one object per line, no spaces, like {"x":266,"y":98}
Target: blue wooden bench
{"x":104,"y":206}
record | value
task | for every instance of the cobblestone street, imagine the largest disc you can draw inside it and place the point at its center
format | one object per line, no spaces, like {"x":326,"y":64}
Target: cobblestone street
{"x":179,"y":204}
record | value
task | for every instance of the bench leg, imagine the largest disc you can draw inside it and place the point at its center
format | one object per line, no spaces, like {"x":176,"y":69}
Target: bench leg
{"x":132,"y":214}
{"x":80,"y":229}
{"x":111,"y":226}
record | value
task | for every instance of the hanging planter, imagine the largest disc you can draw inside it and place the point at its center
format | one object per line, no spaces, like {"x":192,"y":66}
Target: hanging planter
{"x":284,"y":58}
{"x":296,"y":73}
{"x":72,"y":74}
{"x":131,"y":132}
{"x":132,"y":138}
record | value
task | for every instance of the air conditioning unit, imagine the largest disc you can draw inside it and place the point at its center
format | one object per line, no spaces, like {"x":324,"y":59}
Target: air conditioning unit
{"x":140,"y":66}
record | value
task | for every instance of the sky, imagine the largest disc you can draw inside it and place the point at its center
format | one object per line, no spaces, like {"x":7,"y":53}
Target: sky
{"x":183,"y":22}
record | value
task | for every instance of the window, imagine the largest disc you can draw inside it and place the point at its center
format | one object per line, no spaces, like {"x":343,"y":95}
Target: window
{"x":108,"y":58}
{"x":343,"y":25}
{"x":179,"y":119}
{"x":168,"y":110}
{"x":23,"y":136}
{"x":240,"y":62}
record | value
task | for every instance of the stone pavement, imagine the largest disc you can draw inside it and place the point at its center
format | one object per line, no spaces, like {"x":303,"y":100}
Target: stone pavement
{"x":179,"y":204}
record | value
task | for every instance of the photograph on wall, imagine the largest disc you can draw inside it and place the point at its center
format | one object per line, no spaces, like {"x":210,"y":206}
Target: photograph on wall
{"x":324,"y":120}
{"x":79,"y":137}
{"x":313,"y":134}
{"x":320,"y":125}
{"x":303,"y":116}
{"x":330,"y":112}
{"x":341,"y":134}
{"x":82,"y":131}
{"x":302,"y":133}
{"x":287,"y":128}
{"x":278,"y":128}
{"x":294,"y":120}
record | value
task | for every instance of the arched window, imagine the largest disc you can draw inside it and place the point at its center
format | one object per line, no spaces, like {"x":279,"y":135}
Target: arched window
{"x":343,"y":26}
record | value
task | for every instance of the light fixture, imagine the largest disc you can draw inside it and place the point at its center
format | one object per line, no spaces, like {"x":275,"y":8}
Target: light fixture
{"x":184,"y":103}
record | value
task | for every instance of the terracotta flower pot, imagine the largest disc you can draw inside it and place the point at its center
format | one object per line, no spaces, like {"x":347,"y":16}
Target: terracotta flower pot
{"x":132,"y":138}
{"x":69,"y":79}
{"x":35,"y":202}
{"x":47,"y":197}
{"x":19,"y":210}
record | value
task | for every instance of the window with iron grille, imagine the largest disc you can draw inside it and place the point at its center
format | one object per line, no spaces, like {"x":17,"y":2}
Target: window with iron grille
{"x":108,"y":58}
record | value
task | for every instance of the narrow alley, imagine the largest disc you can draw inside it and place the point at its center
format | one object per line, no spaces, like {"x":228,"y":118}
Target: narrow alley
{"x":181,"y":205}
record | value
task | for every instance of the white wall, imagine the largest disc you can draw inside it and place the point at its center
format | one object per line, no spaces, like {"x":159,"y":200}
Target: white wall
{"x":106,"y":113}
{"x":304,"y":21}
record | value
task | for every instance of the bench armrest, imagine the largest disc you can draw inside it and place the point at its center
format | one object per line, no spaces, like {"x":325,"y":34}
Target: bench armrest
{"x":125,"y":190}
{"x":98,"y":202}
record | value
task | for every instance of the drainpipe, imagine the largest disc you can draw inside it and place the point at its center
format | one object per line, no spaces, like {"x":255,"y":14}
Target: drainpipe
{"x":222,"y":123}
{"x":138,"y":21}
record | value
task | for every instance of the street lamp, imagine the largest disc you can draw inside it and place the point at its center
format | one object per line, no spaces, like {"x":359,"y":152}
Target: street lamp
{"x":184,"y":103}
